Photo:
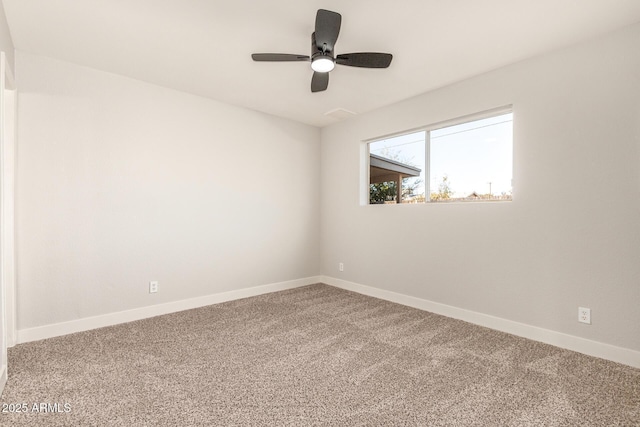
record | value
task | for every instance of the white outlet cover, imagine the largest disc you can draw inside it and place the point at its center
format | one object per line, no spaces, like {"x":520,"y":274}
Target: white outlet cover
{"x":153,"y":287}
{"x":584,"y":315}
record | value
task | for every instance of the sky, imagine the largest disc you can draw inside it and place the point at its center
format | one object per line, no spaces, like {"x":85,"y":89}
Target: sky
{"x":475,"y":156}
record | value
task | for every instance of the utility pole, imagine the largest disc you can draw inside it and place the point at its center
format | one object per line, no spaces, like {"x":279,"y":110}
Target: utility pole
{"x":489,"y":187}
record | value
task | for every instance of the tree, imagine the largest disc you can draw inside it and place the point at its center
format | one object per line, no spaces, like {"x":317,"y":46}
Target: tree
{"x":444,"y":190}
{"x":382,"y":192}
{"x":387,"y":191}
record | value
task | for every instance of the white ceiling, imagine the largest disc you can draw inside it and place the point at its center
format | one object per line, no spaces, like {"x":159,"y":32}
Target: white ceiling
{"x":204,"y":46}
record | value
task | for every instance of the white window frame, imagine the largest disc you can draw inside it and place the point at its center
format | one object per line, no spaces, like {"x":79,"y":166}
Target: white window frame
{"x":427,"y":129}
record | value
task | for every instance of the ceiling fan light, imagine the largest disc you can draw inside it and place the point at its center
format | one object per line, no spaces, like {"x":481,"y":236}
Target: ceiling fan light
{"x":322,"y":64}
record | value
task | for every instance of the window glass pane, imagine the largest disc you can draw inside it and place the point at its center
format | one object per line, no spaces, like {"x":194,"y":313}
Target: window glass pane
{"x":472,"y":160}
{"x":397,"y":159}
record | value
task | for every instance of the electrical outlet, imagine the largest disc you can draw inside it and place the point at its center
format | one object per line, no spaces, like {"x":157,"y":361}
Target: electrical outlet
{"x":341,"y":266}
{"x":584,"y":315}
{"x":153,"y":287}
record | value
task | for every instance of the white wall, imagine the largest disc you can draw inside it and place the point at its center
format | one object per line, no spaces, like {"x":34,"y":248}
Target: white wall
{"x":120,"y":182}
{"x":571,"y":236}
{"x":7,"y":49}
{"x":6,"y":44}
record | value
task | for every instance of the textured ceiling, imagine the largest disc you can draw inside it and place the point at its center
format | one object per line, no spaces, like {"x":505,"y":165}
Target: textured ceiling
{"x":204,"y":46}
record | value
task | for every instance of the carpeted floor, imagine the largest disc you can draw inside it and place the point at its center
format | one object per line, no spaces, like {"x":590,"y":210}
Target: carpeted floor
{"x":315,"y":355}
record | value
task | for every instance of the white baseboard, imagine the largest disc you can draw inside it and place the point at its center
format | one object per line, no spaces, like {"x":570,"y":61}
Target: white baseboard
{"x":569,"y":342}
{"x":110,"y":319}
{"x":558,"y":339}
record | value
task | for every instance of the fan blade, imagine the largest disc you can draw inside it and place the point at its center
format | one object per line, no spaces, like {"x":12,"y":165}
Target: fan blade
{"x":365,"y":59}
{"x":327,"y":28}
{"x":319,"y":81}
{"x":279,"y":57}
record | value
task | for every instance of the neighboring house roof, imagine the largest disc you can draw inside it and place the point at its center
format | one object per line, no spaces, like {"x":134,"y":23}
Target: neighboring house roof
{"x":382,"y":169}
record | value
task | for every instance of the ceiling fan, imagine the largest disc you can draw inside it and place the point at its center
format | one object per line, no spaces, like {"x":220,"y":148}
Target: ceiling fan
{"x":322,"y":57}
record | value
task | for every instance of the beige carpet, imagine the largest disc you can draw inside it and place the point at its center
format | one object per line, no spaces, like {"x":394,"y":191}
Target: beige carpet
{"x":315,"y":355}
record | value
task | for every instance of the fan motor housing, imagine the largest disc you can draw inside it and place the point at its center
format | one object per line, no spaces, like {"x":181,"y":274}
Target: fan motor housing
{"x":316,"y":51}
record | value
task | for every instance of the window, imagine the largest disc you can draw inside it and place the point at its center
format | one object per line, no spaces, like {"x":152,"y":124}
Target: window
{"x":469,"y":160}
